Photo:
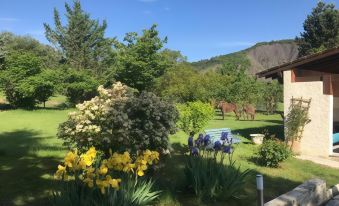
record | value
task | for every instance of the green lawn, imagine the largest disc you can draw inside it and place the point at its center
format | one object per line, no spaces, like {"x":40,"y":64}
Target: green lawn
{"x":276,"y":180}
{"x":30,"y":152}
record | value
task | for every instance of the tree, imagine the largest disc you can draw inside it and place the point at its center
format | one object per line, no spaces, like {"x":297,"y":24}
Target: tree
{"x":24,"y":82}
{"x":140,"y":60}
{"x":81,"y":40}
{"x":43,"y":90}
{"x":321,"y":30}
{"x":79,"y":86}
{"x":181,"y":84}
{"x":272,"y":94}
{"x":173,"y":57}
{"x":2,"y":52}
{"x":9,"y":43}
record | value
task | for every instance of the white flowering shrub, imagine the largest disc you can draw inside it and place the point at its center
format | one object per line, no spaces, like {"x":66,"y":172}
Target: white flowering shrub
{"x":120,"y":119}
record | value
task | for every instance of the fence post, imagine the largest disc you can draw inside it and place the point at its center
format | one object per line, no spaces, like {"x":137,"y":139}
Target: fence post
{"x":260,"y":190}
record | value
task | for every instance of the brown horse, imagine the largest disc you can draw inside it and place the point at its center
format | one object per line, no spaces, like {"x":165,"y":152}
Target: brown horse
{"x":228,"y":107}
{"x":249,"y":110}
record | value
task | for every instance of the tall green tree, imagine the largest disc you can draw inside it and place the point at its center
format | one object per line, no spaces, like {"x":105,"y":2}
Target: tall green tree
{"x":321,"y":30}
{"x":81,"y":40}
{"x":140,"y":59}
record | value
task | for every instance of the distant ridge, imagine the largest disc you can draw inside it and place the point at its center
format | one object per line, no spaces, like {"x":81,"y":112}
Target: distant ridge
{"x":257,"y":58}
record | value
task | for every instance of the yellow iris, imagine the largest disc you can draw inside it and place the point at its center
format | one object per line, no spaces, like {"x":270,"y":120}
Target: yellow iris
{"x":70,"y":159}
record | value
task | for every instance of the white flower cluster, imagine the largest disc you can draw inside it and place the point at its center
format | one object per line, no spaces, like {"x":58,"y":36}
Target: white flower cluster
{"x":95,"y":110}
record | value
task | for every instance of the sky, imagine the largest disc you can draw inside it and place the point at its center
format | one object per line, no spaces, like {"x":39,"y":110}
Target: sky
{"x":200,"y":29}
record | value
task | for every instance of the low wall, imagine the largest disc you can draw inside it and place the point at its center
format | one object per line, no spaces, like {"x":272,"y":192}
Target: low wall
{"x":311,"y":193}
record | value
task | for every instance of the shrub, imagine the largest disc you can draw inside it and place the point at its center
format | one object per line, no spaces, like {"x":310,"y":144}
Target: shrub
{"x":90,"y":179}
{"x":120,"y":119}
{"x":272,"y":152}
{"x":19,"y":67}
{"x":79,"y":87}
{"x":194,"y":116}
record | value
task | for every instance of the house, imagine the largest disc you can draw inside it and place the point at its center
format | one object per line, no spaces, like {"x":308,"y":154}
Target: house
{"x":314,"y":77}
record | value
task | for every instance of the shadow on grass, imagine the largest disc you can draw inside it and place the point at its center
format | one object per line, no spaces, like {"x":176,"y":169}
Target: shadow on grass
{"x":172,"y":181}
{"x":24,"y":175}
{"x":277,"y":130}
{"x":5,"y":106}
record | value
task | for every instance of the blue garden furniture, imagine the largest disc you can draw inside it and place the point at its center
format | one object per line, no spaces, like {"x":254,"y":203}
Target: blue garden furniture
{"x":335,"y":138}
{"x":216,"y":135}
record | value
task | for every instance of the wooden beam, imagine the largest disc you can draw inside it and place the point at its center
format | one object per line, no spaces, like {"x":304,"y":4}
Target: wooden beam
{"x":327,"y":85}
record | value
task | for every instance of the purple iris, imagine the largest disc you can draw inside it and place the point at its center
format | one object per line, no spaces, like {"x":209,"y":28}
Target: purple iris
{"x":200,"y":140}
{"x":190,"y":141}
{"x":195,"y":151}
{"x":217,"y":145}
{"x":227,"y":149}
{"x":207,"y":140}
{"x":224,"y":136}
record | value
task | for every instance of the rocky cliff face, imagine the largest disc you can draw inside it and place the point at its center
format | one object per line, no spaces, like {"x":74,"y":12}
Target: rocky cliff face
{"x":259,"y":57}
{"x":266,"y":56}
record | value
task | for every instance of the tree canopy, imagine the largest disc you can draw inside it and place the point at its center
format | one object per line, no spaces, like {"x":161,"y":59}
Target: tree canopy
{"x":140,"y":59}
{"x":321,"y":30}
{"x":82,"y":40}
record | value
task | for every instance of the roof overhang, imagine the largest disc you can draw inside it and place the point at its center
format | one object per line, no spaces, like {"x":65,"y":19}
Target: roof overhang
{"x":326,"y":62}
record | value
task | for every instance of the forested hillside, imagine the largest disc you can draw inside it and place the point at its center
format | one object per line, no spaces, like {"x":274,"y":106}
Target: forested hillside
{"x":256,"y":58}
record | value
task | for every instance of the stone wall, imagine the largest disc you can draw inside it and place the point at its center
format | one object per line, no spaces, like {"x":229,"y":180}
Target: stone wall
{"x":311,"y":193}
{"x":317,"y":136}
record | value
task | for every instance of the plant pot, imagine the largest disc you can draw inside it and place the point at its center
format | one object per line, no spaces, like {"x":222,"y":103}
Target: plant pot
{"x":257,"y":138}
{"x":295,"y":146}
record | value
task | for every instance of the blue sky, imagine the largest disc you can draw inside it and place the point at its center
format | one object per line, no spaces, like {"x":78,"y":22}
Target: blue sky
{"x":200,"y":29}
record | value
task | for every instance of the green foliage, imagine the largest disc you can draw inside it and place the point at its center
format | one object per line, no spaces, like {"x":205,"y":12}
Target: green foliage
{"x":244,"y":89}
{"x":271,"y":95}
{"x":140,"y":60}
{"x":120,"y":119}
{"x":173,"y":57}
{"x":81,"y":40}
{"x":321,"y":30}
{"x":50,"y":58}
{"x":194,"y":116}
{"x":181,"y":84}
{"x":19,"y":67}
{"x":297,"y":118}
{"x":239,"y":59}
{"x":272,"y":152}
{"x":43,"y":90}
{"x":79,"y":86}
{"x":132,"y":193}
{"x":213,"y":179}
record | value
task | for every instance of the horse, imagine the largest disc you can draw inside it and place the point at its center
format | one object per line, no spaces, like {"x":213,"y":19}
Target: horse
{"x":228,"y":107}
{"x":249,"y":110}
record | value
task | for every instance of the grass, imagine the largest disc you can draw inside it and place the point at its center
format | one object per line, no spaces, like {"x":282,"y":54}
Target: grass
{"x":30,"y":152}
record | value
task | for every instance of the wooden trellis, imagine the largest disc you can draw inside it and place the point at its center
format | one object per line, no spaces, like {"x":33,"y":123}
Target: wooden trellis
{"x":303,"y":104}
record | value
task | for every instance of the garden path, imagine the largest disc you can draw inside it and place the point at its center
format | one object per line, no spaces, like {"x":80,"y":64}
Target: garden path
{"x":330,"y":162}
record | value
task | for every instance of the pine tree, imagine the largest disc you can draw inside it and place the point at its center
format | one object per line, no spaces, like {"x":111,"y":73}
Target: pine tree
{"x":321,"y":30}
{"x":81,"y":40}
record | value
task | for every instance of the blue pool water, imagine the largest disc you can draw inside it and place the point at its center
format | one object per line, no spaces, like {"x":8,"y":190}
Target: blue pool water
{"x":335,"y":138}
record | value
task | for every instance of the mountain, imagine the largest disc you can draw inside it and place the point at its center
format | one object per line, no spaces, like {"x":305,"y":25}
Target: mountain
{"x":257,"y":58}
